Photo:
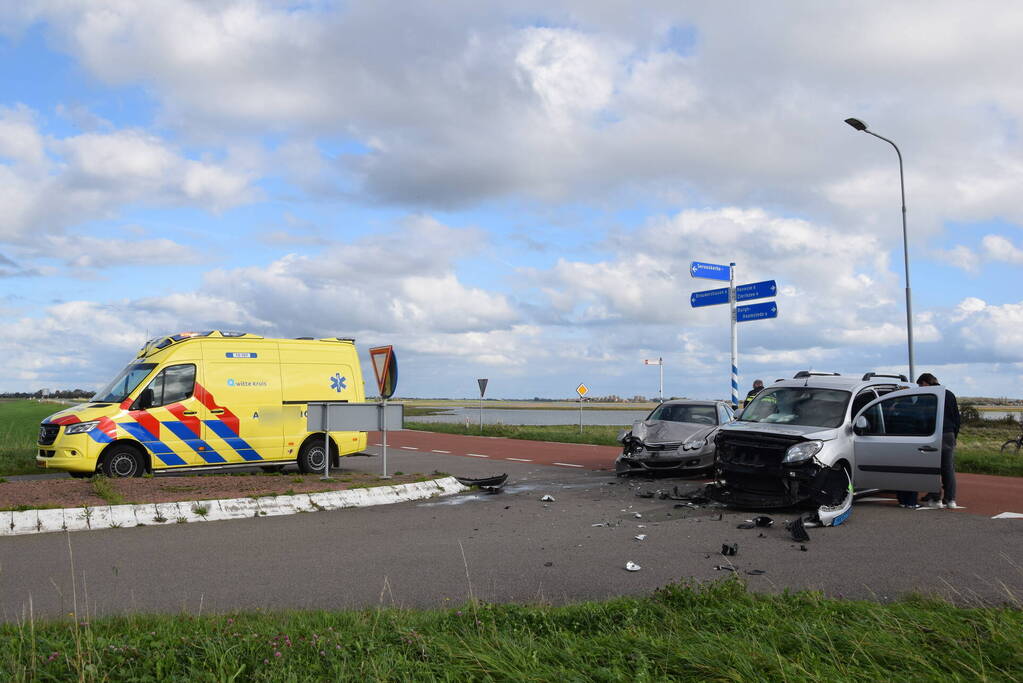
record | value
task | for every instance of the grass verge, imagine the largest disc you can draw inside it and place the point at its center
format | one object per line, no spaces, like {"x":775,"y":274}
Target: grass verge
{"x":591,"y":434}
{"x":718,"y":632}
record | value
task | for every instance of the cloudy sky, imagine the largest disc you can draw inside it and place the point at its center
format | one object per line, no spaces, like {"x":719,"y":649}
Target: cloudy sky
{"x":513,"y":190}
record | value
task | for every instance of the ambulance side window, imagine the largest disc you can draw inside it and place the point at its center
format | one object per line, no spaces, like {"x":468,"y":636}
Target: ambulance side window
{"x":173,"y":384}
{"x":178,"y":383}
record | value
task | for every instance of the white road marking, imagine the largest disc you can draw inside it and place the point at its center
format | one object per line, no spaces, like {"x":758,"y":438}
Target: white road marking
{"x":519,"y":459}
{"x":410,"y":448}
{"x":1009,"y":515}
{"x":567,"y":464}
{"x":440,"y":451}
{"x":477,"y":455}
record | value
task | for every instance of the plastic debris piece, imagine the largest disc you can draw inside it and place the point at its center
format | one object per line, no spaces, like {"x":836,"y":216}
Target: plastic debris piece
{"x":803,"y":548}
{"x":755,"y":572}
{"x":640,"y":537}
{"x":548,"y":564}
{"x":729,"y":548}
{"x":632,"y":567}
{"x":798,"y":531}
{"x":761,"y":535}
{"x":763,"y":521}
{"x":638,"y":516}
{"x":641,"y":526}
{"x":598,"y":524}
{"x":745,"y":525}
{"x":724,"y":567}
{"x":547,"y":498}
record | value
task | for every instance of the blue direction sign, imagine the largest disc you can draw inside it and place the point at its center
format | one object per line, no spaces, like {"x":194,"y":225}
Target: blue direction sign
{"x":756,"y":290}
{"x":767,"y":309}
{"x":709,"y":297}
{"x":711,"y":271}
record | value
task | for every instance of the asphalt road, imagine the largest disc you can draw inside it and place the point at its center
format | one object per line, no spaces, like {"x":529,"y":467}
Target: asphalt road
{"x":505,"y":547}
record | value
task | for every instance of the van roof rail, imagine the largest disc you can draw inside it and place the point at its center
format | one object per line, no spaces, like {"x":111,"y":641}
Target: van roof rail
{"x":810,"y":373}
{"x":872,"y":375}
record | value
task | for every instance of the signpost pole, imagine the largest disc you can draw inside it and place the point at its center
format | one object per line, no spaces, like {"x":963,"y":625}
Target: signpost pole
{"x":660,"y":361}
{"x":384,"y":434}
{"x":580,"y":414}
{"x":326,"y":443}
{"x":735,"y":339}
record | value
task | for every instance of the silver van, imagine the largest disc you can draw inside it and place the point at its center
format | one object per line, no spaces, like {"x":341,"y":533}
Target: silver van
{"x":819,"y":438}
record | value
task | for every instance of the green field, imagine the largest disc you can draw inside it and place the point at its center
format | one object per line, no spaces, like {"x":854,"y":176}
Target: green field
{"x":19,"y":430}
{"x":718,"y":632}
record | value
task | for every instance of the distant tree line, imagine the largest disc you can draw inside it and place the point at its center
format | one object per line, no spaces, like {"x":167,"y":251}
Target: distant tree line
{"x":59,"y":393}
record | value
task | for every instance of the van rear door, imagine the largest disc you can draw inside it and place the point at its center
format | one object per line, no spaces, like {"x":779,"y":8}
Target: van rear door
{"x":899,"y":448}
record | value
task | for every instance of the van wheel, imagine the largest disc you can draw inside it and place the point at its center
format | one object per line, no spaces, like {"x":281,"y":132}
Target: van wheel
{"x":312,"y":459}
{"x":272,"y":469}
{"x":122,"y":461}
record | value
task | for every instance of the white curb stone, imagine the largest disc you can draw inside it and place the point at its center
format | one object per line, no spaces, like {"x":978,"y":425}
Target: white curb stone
{"x":17,"y":523}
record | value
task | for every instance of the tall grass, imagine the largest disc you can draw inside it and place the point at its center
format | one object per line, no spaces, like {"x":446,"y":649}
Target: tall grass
{"x":718,"y":632}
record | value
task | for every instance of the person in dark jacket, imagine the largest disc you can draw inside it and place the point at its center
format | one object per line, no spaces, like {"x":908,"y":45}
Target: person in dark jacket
{"x":758,"y":386}
{"x":950,"y":432}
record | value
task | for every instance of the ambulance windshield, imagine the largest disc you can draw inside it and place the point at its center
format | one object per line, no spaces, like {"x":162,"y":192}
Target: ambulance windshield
{"x":124,"y":384}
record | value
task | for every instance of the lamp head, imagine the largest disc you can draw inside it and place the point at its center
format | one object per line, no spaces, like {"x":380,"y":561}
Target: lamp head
{"x":857,"y":124}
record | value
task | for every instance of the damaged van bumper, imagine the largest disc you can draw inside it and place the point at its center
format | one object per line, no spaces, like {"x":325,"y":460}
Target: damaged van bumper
{"x":752,"y":474}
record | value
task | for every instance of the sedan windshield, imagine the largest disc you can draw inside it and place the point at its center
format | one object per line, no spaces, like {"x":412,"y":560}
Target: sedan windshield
{"x":124,"y":384}
{"x":798,"y":406}
{"x":673,"y":412}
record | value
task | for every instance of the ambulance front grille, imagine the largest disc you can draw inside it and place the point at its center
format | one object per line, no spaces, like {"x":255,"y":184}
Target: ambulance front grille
{"x":48,"y":433}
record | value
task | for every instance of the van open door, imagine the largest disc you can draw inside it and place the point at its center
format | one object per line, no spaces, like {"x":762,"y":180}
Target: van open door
{"x":897,"y":441}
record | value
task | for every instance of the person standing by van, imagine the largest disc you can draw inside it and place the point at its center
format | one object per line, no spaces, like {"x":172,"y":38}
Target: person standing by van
{"x":949,"y":434}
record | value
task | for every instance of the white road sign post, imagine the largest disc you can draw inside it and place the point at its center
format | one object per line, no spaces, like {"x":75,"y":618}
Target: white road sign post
{"x":483,"y":390}
{"x":730,"y":295}
{"x":659,"y":362}
{"x":581,"y":390}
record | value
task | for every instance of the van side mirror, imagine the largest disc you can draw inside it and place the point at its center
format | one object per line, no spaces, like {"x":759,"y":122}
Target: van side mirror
{"x":861,"y":425}
{"x":145,"y":400}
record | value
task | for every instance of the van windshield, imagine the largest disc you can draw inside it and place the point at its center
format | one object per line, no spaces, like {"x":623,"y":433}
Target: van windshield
{"x":798,"y":406}
{"x":124,"y":383}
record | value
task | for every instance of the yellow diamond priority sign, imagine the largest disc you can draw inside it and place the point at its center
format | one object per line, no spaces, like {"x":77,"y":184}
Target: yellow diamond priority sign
{"x":581,"y":390}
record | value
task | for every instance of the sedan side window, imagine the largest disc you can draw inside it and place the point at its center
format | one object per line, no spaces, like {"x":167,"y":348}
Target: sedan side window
{"x":903,"y":416}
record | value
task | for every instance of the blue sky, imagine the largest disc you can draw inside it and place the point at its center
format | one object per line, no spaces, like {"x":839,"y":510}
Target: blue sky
{"x":512,"y":191}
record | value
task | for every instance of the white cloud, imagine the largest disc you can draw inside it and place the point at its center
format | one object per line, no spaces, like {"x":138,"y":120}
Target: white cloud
{"x":94,"y":175}
{"x":998,"y":248}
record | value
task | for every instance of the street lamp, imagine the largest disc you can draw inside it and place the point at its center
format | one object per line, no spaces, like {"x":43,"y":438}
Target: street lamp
{"x":860,"y":125}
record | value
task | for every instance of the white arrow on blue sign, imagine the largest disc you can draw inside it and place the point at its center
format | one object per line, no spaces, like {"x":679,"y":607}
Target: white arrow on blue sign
{"x":709,"y":297}
{"x":768,"y":309}
{"x":756,"y":290}
{"x":710,"y":271}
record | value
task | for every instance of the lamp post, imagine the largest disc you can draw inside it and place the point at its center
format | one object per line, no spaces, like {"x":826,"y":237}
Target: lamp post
{"x":861,"y":126}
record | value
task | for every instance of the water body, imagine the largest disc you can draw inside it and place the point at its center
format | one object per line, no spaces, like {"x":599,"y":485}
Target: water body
{"x":531,"y":416}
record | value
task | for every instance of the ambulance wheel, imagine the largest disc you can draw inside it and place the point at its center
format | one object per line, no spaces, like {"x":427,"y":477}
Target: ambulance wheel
{"x":312,"y":458}
{"x":122,"y":461}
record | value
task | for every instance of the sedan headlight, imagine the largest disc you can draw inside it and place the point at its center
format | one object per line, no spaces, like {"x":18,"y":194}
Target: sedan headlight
{"x":802,"y":451}
{"x":694,"y":444}
{"x":80,"y":427}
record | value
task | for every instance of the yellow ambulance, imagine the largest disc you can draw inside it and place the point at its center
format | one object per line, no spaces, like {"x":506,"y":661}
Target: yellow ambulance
{"x":209,"y":400}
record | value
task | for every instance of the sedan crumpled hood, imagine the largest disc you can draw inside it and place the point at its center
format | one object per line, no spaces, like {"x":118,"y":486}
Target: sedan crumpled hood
{"x":658,"y":432}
